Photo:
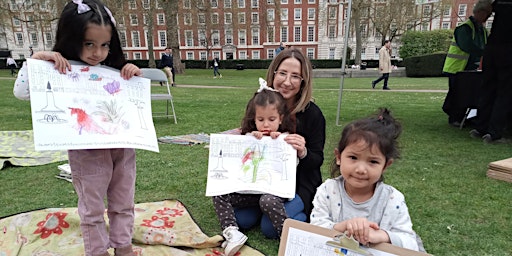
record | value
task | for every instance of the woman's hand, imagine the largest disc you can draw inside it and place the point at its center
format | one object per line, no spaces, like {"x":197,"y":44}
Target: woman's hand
{"x":129,"y":70}
{"x":61,"y":64}
{"x":298,"y":143}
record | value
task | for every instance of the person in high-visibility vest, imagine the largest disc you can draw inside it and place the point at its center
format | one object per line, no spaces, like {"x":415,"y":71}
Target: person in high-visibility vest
{"x":465,"y":52}
{"x":495,"y":105}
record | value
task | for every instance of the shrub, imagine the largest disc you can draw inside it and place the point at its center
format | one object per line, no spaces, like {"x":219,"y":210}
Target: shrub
{"x":415,"y":43}
{"x":430,"y":65}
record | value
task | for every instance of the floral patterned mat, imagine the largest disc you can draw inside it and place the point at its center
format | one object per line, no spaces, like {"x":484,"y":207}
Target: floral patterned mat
{"x":17,"y":148}
{"x":161,"y":229}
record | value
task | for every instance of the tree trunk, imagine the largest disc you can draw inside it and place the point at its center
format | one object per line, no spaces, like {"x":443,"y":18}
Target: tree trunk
{"x":171,"y":12}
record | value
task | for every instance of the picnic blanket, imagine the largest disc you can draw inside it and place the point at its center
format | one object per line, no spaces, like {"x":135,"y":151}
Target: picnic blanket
{"x":17,"y":148}
{"x":193,"y":139}
{"x":161,"y":228}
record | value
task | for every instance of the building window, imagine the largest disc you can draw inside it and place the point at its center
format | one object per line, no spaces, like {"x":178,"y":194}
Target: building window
{"x":215,"y":37}
{"x":122,"y":38}
{"x":202,"y":55}
{"x":311,"y":1}
{"x":229,"y":36}
{"x":120,"y":21}
{"x":16,"y":22}
{"x":132,"y":5}
{"x":48,"y":38}
{"x":270,"y":34}
{"x":241,"y":3}
{"x":284,"y":1}
{"x":160,"y":19}
{"x":447,"y":11}
{"x":311,"y":13}
{"x":331,"y":31}
{"x":310,"y":52}
{"x":216,"y":54}
{"x":255,"y":36}
{"x":135,"y":39}
{"x":162,"y":38}
{"x":187,"y":19}
{"x":228,"y":18}
{"x":137,"y":56}
{"x":332,"y":52}
{"x":186,"y":4}
{"x":158,"y":4}
{"x":446,"y":25}
{"x":189,"y":38}
{"x":297,"y":34}
{"x":271,"y":14}
{"x":255,"y":55}
{"x":255,"y":18}
{"x":332,"y":12}
{"x":145,"y":4}
{"x":241,"y":18}
{"x":145,"y":19}
{"x":311,"y":33}
{"x":243,"y":55}
{"x":201,"y":18}
{"x":271,"y":2}
{"x":297,"y":14}
{"x":254,"y":3}
{"x":133,"y":20}
{"x":125,"y":54}
{"x":33,"y":38}
{"x":202,"y":37}
{"x":462,"y":10}
{"x":215,"y":18}
{"x":214,"y":3}
{"x":190,"y":55}
{"x":242,"y":34}
{"x":270,"y":53}
{"x":426,"y":10}
{"x":284,"y":14}
{"x":284,"y":34}
{"x":227,"y":4}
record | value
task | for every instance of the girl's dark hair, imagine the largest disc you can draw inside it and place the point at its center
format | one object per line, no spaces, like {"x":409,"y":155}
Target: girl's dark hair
{"x":381,"y":130}
{"x":71,"y":30}
{"x":262,"y":99}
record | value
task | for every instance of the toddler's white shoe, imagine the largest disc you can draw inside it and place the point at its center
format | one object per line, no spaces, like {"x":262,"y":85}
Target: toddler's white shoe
{"x":234,"y":240}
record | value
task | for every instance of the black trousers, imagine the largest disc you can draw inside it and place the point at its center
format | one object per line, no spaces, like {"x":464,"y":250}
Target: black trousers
{"x":495,"y":103}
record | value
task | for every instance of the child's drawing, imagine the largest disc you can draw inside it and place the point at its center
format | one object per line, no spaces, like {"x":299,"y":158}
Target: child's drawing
{"x":91,"y":107}
{"x":240,"y":163}
{"x":112,"y":87}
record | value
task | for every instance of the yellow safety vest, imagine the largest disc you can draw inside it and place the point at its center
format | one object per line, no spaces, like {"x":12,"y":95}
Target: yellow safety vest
{"x":456,"y":59}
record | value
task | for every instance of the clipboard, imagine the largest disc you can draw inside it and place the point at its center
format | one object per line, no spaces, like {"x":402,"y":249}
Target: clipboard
{"x":301,"y":234}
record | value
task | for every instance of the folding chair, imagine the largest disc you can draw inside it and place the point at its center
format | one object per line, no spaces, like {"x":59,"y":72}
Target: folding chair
{"x":158,"y":75}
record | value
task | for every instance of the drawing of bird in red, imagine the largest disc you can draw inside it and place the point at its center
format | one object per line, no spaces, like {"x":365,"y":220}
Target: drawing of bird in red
{"x":86,"y":122}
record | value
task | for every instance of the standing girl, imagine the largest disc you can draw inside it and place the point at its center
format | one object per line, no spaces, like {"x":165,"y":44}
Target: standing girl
{"x":357,"y":201}
{"x":265,"y":115}
{"x":290,"y":73}
{"x":86,"y":32}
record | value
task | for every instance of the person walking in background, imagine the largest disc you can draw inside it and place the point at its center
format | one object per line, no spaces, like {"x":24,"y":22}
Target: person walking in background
{"x":11,"y":63}
{"x":265,"y":115}
{"x":465,"y":52}
{"x":87,"y":32}
{"x":216,"y":72}
{"x":167,"y":63}
{"x":31,"y":51}
{"x":384,"y":65}
{"x":280,"y":48}
{"x":495,"y":105}
{"x":356,"y":201}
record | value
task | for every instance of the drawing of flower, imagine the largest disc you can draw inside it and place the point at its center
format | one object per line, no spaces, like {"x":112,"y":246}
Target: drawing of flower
{"x":158,"y":222}
{"x":95,"y":77}
{"x":113,"y":87}
{"x":169,"y":211}
{"x":53,"y":223}
{"x":84,"y":69}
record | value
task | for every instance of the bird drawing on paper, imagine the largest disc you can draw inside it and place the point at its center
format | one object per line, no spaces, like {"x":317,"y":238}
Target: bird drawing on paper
{"x":86,"y":122}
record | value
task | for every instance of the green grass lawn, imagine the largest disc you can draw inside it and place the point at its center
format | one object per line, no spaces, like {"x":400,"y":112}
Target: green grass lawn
{"x":454,"y":207}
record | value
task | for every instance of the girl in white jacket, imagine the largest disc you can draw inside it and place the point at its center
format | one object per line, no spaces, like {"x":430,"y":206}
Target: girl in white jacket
{"x":357,"y":202}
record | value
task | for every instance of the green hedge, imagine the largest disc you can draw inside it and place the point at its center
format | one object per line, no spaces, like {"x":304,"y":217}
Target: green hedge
{"x":429,"y":65}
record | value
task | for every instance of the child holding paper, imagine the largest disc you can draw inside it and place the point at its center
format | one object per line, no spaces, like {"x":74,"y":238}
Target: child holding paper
{"x":87,"y":32}
{"x":265,"y":115}
{"x":357,"y":202}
